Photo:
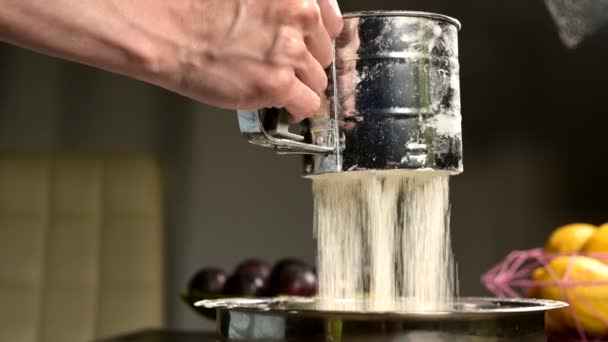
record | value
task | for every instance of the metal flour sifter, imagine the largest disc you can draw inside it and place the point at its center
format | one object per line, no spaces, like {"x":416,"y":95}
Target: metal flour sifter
{"x":393,"y":100}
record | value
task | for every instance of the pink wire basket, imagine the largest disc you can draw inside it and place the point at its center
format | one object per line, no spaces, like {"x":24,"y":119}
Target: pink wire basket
{"x":512,"y":278}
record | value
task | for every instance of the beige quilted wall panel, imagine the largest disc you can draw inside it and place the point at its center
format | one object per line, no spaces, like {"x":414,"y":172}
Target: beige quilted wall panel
{"x":24,"y":217}
{"x":130,"y":213}
{"x":81,"y":246}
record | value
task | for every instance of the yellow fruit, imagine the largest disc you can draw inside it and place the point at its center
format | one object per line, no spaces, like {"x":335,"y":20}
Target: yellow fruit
{"x":598,"y":242}
{"x":569,"y":238}
{"x":555,"y":321}
{"x":589,"y":302}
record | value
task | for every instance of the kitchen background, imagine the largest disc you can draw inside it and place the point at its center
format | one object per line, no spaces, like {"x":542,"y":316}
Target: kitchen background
{"x":535,"y":136}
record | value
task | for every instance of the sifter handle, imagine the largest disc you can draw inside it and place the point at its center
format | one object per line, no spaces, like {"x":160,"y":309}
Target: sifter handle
{"x":274,"y":132}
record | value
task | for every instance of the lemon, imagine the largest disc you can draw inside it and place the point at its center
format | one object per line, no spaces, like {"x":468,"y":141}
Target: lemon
{"x":570,"y":238}
{"x":589,"y":302}
{"x":555,"y":319}
{"x":598,"y":242}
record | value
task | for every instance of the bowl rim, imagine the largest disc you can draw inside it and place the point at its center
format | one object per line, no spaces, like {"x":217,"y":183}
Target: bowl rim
{"x":286,"y":306}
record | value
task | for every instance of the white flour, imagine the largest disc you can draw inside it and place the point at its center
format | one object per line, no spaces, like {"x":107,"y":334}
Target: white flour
{"x":578,"y":19}
{"x":384,"y":237}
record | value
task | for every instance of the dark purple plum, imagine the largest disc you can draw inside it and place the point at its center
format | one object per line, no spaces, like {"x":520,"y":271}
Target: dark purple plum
{"x":242,"y":284}
{"x":292,"y":277}
{"x":208,"y":280}
{"x":255,"y":268}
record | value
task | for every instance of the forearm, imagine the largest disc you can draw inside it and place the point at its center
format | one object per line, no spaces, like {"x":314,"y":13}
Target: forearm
{"x":227,"y":53}
{"x":122,"y":36}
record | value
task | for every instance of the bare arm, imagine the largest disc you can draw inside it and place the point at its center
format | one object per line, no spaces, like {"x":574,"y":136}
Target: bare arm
{"x":228,"y":53}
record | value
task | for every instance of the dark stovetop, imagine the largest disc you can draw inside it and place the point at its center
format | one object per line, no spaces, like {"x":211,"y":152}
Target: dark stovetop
{"x":164,"y":336}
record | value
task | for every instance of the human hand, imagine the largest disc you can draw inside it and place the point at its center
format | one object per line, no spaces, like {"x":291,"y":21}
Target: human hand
{"x":346,"y":72}
{"x":236,"y":54}
{"x":240,"y":54}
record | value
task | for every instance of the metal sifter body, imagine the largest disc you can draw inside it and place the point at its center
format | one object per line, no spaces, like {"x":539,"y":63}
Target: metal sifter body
{"x":393,"y":100}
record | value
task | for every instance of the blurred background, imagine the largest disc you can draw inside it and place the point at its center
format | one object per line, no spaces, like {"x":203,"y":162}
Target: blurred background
{"x":535,"y":125}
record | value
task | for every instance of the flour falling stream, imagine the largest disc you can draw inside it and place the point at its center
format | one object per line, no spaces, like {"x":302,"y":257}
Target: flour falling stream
{"x":384,"y":237}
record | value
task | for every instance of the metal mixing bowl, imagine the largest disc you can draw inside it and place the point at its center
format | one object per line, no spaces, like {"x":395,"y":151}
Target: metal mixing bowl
{"x":308,"y":319}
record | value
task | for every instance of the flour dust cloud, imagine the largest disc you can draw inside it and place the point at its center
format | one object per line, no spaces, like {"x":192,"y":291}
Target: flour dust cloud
{"x":384,"y":237}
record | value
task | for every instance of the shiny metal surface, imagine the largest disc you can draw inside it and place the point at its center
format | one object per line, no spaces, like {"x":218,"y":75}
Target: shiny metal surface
{"x":253,"y":129}
{"x":302,"y":319}
{"x":411,"y":14}
{"x":393,"y":100}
